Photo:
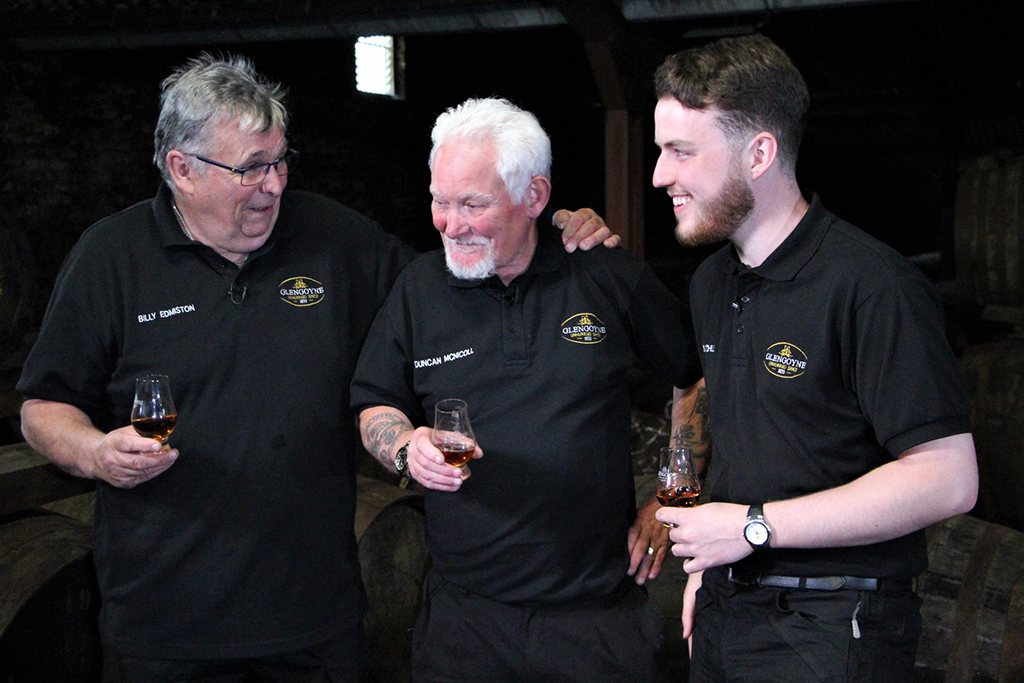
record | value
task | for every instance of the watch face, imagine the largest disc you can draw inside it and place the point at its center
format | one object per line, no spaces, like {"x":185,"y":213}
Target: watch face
{"x":756,"y":533}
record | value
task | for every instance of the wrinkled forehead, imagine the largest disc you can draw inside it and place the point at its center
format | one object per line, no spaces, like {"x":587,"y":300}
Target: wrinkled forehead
{"x":465,"y":168}
{"x":229,"y":136}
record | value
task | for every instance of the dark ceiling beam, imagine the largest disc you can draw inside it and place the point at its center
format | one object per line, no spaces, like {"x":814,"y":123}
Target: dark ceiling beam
{"x":92,"y":24}
{"x":131,"y":31}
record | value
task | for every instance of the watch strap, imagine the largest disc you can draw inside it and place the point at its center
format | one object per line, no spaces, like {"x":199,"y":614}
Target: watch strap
{"x":755,"y":512}
{"x":755,"y":520}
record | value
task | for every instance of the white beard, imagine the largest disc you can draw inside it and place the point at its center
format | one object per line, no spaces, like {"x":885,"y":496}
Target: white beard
{"x":484,"y":266}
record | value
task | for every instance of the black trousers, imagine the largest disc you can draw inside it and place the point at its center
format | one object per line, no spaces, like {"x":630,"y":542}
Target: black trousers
{"x":751,"y":634}
{"x":338,"y":660}
{"x":467,"y":638}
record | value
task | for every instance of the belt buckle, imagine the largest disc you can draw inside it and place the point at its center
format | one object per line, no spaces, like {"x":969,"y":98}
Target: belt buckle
{"x":827,"y":583}
{"x":734,"y":578}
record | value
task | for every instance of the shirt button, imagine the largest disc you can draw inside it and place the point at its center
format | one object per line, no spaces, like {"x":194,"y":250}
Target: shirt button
{"x":739,"y":329}
{"x":745,"y":299}
{"x":511,"y":328}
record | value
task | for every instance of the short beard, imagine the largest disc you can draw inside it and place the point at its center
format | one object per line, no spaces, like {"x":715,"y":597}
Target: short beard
{"x":723,"y":216}
{"x":483,"y":268}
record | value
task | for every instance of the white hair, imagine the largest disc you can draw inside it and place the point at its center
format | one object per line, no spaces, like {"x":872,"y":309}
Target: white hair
{"x":523,"y":148}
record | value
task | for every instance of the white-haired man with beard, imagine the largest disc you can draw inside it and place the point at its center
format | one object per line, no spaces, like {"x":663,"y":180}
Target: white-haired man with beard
{"x":841,"y":424}
{"x":537,"y":557}
{"x":237,"y":560}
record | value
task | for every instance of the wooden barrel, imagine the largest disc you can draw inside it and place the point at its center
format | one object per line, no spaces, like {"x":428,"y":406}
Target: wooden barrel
{"x":994,"y":376}
{"x":49,"y":601}
{"x":390,"y":527}
{"x":989,"y":229}
{"x":81,"y":507}
{"x":973,"y":604}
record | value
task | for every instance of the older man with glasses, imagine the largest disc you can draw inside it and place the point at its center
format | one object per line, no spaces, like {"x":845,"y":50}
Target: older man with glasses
{"x":231,"y":553}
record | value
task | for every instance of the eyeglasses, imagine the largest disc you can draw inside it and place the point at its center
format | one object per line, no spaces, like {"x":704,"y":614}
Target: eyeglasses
{"x":257,"y":173}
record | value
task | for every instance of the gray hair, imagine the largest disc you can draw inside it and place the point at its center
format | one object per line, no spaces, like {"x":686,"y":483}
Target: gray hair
{"x":208,"y":89}
{"x":522,"y":146}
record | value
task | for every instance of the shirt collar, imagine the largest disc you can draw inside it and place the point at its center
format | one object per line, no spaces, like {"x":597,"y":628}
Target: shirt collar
{"x":796,"y":250}
{"x":168,"y":228}
{"x":171,"y":234}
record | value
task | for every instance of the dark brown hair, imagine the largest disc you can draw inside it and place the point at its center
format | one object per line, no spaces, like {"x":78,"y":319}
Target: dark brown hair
{"x":750,"y":80}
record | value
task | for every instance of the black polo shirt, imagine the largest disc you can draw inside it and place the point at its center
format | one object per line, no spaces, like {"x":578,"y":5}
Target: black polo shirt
{"x":823,"y":363}
{"x":245,"y":546}
{"x":542,"y":364}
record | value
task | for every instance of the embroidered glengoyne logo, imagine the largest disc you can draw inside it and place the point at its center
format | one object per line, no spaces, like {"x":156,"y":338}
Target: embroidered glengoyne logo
{"x":584,"y":328}
{"x":785,"y":360}
{"x":301,"y":291}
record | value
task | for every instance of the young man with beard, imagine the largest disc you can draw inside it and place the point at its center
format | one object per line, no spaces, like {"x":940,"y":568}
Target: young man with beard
{"x":532,"y":556}
{"x":841,"y":424}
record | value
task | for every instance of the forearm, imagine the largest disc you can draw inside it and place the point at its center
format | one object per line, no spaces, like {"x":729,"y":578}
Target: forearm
{"x":384,"y":430}
{"x":62,"y":433}
{"x":924,"y":485}
{"x":927,"y":484}
{"x":691,"y":425}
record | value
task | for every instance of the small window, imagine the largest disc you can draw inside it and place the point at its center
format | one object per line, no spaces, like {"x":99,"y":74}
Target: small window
{"x":379,"y":65}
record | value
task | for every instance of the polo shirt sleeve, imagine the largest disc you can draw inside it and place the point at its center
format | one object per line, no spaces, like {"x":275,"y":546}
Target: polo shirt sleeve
{"x":383,"y":375}
{"x":663,"y":331}
{"x":73,"y":357}
{"x":391,"y":257}
{"x":906,"y":376}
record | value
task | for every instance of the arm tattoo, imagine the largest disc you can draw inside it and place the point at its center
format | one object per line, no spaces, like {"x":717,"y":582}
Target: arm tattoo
{"x":691,"y":424}
{"x":380,"y":434}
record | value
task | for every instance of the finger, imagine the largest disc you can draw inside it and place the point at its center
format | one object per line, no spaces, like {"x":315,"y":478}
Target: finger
{"x":438,"y":483}
{"x":599,"y":235}
{"x":449,"y":475}
{"x":644,"y":571}
{"x":560,"y":218}
{"x":657,"y":559}
{"x":579,"y":224}
{"x":637,"y":554}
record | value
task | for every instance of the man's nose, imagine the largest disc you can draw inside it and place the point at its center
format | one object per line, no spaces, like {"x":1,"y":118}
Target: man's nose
{"x":454,"y":224}
{"x":660,"y":178}
{"x":273,"y":183}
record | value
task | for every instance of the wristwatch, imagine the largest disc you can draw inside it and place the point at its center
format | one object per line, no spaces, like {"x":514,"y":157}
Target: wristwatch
{"x":756,"y":531}
{"x":402,"y":458}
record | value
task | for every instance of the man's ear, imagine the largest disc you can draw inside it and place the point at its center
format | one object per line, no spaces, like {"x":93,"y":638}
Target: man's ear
{"x":537,"y":195}
{"x":181,"y":172}
{"x":764,"y":150}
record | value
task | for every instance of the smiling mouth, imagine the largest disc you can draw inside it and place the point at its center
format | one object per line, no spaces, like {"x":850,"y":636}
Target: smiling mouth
{"x":465,"y":246}
{"x":682,"y":200}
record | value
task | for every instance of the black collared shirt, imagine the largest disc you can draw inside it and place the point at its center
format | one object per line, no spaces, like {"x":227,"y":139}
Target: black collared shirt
{"x":245,"y":546}
{"x":823,"y":363}
{"x":543,"y":366}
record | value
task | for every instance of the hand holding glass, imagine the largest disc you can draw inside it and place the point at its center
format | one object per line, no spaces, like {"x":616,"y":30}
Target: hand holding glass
{"x":678,"y":485}
{"x":452,"y":434}
{"x":153,"y":413}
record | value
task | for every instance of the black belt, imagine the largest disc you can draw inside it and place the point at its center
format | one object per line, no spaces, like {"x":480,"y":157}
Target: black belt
{"x":818,"y":583}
